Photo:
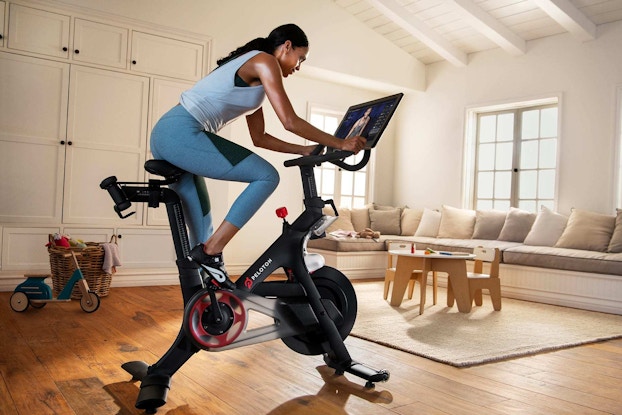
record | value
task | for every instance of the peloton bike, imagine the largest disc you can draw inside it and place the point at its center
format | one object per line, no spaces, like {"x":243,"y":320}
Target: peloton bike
{"x":313,"y":308}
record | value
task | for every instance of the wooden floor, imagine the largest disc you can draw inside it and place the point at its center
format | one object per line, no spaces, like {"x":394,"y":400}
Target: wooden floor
{"x":60,"y":360}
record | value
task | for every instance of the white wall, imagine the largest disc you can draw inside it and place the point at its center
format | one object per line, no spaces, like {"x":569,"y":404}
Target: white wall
{"x":431,"y":137}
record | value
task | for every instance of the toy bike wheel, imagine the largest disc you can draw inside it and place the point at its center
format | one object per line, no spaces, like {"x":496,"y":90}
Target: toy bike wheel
{"x":37,"y":304}
{"x":19,"y":301}
{"x":335,"y":287}
{"x":89,"y":302}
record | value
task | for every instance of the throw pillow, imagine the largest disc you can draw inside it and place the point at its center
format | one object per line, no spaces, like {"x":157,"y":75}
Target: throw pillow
{"x":343,"y":221}
{"x":410,"y":221}
{"x":456,"y":223}
{"x":430,"y":222}
{"x":387,"y":222}
{"x":360,"y":219}
{"x":616,"y":239}
{"x":517,"y":225}
{"x":488,"y":224}
{"x":587,"y":230}
{"x":547,"y":228}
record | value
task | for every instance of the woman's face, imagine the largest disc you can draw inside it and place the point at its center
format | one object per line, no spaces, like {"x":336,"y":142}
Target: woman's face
{"x":290,"y":57}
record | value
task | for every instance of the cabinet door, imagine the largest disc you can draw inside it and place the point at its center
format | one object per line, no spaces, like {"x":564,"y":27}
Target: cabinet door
{"x":2,"y":34}
{"x":165,"y":96}
{"x":165,"y":56}
{"x":100,"y":43}
{"x":146,"y":248}
{"x":33,"y":122}
{"x":24,"y":249}
{"x":38,"y":31}
{"x":107,"y":127}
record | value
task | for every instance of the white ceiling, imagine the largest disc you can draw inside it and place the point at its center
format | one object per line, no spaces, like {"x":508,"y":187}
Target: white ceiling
{"x":437,"y":30}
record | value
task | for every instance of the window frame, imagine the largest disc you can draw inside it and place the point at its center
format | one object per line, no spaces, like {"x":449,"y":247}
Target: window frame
{"x":470,"y":155}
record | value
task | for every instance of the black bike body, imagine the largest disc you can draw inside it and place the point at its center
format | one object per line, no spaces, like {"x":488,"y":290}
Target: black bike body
{"x":313,"y":308}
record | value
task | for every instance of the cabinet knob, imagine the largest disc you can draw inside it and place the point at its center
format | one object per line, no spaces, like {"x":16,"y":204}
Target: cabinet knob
{"x":65,"y":49}
{"x":0,"y":36}
{"x":69,"y":143}
{"x":76,"y":51}
{"x":133,"y":62}
{"x":62,"y":142}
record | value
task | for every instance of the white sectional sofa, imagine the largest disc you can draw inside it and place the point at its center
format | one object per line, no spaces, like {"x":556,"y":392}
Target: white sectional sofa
{"x":548,"y":257}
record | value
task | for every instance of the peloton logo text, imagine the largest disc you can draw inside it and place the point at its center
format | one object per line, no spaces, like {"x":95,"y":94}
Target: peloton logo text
{"x":248,"y":282}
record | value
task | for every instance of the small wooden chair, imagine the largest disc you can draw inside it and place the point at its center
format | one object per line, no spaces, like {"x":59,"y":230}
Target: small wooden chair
{"x":479,"y":281}
{"x":416,"y":275}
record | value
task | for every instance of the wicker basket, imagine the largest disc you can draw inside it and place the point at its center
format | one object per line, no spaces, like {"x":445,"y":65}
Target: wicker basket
{"x":91,"y":260}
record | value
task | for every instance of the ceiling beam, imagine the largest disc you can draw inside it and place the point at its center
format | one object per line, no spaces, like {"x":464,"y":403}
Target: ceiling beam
{"x":490,"y":27}
{"x":407,"y":21}
{"x":569,"y":17}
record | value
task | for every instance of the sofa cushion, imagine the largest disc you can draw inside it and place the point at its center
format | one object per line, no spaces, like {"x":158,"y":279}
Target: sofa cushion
{"x":488,"y":224}
{"x":347,"y":244}
{"x":517,"y":225}
{"x":587,"y":230}
{"x":387,"y":222}
{"x":547,"y":228}
{"x":343,"y":221}
{"x":410,"y":221}
{"x":456,"y":223}
{"x":360,"y":219}
{"x":615,"y":245}
{"x":564,"y":259}
{"x":430,"y":222}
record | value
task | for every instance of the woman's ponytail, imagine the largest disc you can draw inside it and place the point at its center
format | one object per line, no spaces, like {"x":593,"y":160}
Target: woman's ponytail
{"x":268,"y":44}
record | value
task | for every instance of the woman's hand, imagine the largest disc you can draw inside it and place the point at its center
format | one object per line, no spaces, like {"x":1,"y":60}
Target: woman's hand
{"x":354,"y":144}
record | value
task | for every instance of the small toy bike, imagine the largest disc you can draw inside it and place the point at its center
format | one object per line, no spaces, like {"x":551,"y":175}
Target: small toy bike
{"x":35,"y":292}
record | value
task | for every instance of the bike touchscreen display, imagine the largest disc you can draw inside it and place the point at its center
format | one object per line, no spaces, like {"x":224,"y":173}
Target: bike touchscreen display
{"x":368,"y":119}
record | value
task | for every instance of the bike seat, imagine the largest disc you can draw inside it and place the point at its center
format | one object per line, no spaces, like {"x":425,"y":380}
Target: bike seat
{"x":163,"y":168}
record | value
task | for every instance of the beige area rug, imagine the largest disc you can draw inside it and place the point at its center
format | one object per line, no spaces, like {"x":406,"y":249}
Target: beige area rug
{"x":482,"y":336}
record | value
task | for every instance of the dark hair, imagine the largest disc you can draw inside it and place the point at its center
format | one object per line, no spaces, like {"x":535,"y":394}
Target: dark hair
{"x":269,"y":44}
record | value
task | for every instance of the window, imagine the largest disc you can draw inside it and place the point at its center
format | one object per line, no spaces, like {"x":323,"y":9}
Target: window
{"x":515,"y":157}
{"x":347,"y":189}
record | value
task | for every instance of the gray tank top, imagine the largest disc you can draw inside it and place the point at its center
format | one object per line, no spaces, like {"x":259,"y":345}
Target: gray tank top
{"x":214,"y":101}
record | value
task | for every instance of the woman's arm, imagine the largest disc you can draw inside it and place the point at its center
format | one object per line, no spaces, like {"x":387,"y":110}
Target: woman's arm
{"x":269,"y":73}
{"x":256,"y":127}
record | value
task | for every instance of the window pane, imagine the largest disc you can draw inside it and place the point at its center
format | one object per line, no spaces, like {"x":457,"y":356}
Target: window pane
{"x":360,"y":184}
{"x":546,"y":184}
{"x":484,"y":204}
{"x":484,"y":185}
{"x":548,"y":122}
{"x":528,"y":183}
{"x":530,"y":124}
{"x":346,"y":202}
{"x":504,"y":156}
{"x":328,"y":181}
{"x":548,"y":154}
{"x":486,"y":157}
{"x":548,"y":203}
{"x":501,"y":204}
{"x":503,"y":185}
{"x":347,"y":182}
{"x":487,"y":127}
{"x":528,"y":205}
{"x":358,"y":202}
{"x":529,"y":155}
{"x":317,"y":121}
{"x":505,"y":127}
{"x":330,"y":124}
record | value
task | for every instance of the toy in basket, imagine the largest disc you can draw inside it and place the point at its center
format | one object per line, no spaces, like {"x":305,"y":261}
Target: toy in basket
{"x":35,"y":292}
{"x":91,"y":262}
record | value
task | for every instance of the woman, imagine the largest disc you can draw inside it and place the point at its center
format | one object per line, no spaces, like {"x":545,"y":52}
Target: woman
{"x":186,"y":136}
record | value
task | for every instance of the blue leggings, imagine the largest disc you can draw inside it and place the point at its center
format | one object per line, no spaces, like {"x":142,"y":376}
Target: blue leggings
{"x":181,"y":140}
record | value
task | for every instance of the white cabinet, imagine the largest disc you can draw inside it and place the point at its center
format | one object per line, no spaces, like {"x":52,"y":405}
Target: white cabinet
{"x":24,"y":248}
{"x":2,"y":33}
{"x":165,"y":56}
{"x":38,"y":31}
{"x":100,"y":43}
{"x":33,"y":129}
{"x":107,"y":130}
{"x":146,"y":248}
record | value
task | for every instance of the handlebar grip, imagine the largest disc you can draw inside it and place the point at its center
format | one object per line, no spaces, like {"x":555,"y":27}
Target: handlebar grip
{"x":118,"y":195}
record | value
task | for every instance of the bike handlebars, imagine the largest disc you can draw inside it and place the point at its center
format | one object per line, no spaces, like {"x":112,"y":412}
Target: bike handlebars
{"x":334,"y":157}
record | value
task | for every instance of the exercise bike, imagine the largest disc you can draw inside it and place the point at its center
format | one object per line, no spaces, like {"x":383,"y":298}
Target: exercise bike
{"x":313,"y":309}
